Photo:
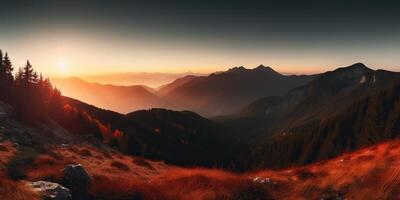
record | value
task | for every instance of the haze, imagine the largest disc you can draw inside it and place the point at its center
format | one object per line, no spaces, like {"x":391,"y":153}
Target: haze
{"x":74,"y":38}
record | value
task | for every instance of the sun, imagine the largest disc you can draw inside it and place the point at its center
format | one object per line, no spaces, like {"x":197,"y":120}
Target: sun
{"x":62,"y":67}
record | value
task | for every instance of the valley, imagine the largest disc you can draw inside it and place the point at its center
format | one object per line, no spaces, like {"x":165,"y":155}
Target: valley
{"x":332,"y":136}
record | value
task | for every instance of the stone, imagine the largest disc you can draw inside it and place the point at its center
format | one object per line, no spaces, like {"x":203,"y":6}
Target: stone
{"x":77,"y":179}
{"x":50,"y":190}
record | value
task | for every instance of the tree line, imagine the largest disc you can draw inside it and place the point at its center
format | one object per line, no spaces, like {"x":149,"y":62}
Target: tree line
{"x":32,"y":96}
{"x":35,"y":100}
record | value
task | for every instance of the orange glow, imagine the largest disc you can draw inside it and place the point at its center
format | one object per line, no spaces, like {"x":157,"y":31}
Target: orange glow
{"x":78,"y":53}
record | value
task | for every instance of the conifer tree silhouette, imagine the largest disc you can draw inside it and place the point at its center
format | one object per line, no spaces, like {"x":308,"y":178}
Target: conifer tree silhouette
{"x":6,"y":77}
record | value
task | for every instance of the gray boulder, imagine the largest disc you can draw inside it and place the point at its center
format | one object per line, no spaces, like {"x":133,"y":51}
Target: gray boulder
{"x":77,"y":179}
{"x":50,"y":190}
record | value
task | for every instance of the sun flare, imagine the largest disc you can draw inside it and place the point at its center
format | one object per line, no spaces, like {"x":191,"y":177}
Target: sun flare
{"x":62,"y":67}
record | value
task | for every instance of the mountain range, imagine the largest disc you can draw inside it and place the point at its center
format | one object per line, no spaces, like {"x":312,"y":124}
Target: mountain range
{"x":342,"y":110}
{"x":217,"y":94}
{"x":317,"y":120}
{"x":118,"y":98}
{"x":329,"y":136}
{"x":154,"y":79}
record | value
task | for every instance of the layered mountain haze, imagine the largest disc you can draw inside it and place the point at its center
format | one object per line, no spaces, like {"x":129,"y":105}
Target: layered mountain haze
{"x":122,"y":99}
{"x":199,"y":100}
{"x":217,"y":94}
{"x":50,"y":152}
{"x":153,"y":80}
{"x":351,"y":113}
{"x":165,"y":89}
{"x":224,"y":92}
{"x":161,"y":134}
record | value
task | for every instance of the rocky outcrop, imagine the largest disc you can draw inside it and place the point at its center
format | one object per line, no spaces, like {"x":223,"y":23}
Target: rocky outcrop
{"x":50,"y":190}
{"x":77,"y":179}
{"x":265,"y":181}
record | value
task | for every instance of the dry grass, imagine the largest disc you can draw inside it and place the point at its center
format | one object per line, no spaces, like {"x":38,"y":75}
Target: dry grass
{"x":13,"y":190}
{"x":178,"y":184}
{"x":120,"y":188}
{"x":202,"y":184}
{"x":46,"y":167}
{"x":368,"y":173}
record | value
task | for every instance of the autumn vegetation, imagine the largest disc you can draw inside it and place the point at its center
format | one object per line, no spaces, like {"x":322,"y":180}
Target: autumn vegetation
{"x":122,"y":153}
{"x":123,"y":177}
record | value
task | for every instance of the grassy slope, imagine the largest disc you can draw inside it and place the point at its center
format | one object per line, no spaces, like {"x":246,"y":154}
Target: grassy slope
{"x":370,"y":173}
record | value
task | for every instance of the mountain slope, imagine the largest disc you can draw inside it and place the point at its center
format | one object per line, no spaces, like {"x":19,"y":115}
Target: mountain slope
{"x":223,"y":92}
{"x":345,"y":109}
{"x":175,"y":137}
{"x":164,"y":89}
{"x":368,"y":173}
{"x":181,"y":136}
{"x":118,"y":98}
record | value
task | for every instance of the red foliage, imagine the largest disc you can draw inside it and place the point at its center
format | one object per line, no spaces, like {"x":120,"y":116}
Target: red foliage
{"x":109,"y":187}
{"x":68,"y":109}
{"x":46,"y":167}
{"x":118,"y":134}
{"x":12,"y":190}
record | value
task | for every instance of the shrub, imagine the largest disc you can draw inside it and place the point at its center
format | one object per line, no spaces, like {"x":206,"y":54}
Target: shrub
{"x":4,"y":148}
{"x":18,"y":163}
{"x":365,"y":158}
{"x":142,"y":162}
{"x":304,"y":174}
{"x":86,"y":153}
{"x":44,"y":160}
{"x":120,"y":166}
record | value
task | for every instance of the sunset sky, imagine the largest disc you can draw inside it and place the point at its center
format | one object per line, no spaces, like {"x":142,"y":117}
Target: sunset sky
{"x":65,"y":38}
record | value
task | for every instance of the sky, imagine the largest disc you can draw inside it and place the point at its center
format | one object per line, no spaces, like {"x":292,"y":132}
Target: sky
{"x":65,"y":38}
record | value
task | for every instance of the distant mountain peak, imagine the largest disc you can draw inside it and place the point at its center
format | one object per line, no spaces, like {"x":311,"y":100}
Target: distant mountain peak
{"x":263,"y":68}
{"x":237,"y":69}
{"x":356,"y":69}
{"x":260,"y":68}
{"x":358,"y":66}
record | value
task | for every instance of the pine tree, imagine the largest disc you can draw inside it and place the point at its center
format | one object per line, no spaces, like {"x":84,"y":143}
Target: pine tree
{"x":8,"y":66}
{"x":18,"y":77}
{"x":1,"y":59}
{"x":29,"y":76}
{"x":6,"y":77}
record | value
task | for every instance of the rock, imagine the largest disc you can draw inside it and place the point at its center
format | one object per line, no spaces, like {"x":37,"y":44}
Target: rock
{"x":50,"y":190}
{"x":77,"y":179}
{"x":265,"y":181}
{"x":332,"y":194}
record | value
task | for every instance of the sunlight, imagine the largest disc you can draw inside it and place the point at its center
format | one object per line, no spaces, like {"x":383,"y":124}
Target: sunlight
{"x":62,"y":67}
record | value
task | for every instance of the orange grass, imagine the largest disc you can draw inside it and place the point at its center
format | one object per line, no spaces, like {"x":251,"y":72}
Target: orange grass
{"x":372,"y":172}
{"x":13,"y":190}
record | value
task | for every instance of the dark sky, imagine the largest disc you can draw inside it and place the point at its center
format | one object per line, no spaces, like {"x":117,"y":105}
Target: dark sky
{"x":297,"y":36}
